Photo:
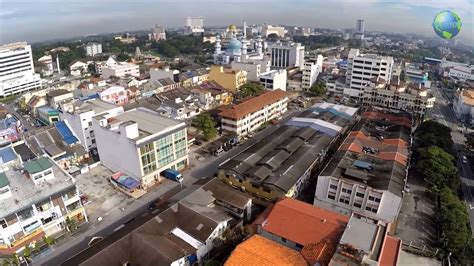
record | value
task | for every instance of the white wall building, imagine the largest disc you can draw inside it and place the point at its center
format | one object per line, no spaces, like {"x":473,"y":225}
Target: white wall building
{"x":311,"y":70}
{"x":78,"y":68}
{"x":362,"y":67}
{"x":47,"y":61}
{"x":122,"y":69}
{"x":141,"y":143}
{"x":285,"y":55}
{"x":274,"y":79}
{"x":35,"y":200}
{"x":93,"y":48}
{"x":464,"y":73}
{"x":164,"y":72}
{"x":157,"y":33}
{"x":269,"y":29}
{"x":78,"y":115}
{"x":463,"y":105}
{"x":253,"y":68}
{"x":16,"y":69}
{"x":246,"y":117}
{"x":194,"y":25}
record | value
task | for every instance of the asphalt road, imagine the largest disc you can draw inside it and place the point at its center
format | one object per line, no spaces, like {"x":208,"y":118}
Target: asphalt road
{"x":446,"y":116}
{"x":75,"y":250}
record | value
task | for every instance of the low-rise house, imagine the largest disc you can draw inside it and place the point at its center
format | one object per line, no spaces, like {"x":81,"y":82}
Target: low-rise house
{"x":251,"y":113}
{"x":296,"y":225}
{"x":162,"y":85}
{"x":8,"y":158}
{"x":35,"y":102}
{"x":280,"y":165}
{"x":367,"y":242}
{"x":47,"y":62}
{"x":114,"y":94}
{"x":35,"y":201}
{"x":78,"y":68}
{"x":193,"y":77}
{"x":157,"y":73}
{"x":120,"y":69}
{"x":258,"y":250}
{"x":58,"y":142}
{"x":230,"y":79}
{"x":367,"y":174}
{"x":184,"y":234}
{"x":55,"y":97}
{"x":147,"y":141}
{"x":47,"y":115}
{"x":211,"y":95}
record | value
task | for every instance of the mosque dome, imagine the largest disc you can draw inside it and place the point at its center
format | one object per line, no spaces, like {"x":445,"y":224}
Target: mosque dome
{"x":232,"y":27}
{"x":234,"y":44}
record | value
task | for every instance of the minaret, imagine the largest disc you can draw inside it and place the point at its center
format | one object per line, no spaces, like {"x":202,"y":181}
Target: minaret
{"x":57,"y":64}
{"x":245,"y":30}
{"x":218,"y":44}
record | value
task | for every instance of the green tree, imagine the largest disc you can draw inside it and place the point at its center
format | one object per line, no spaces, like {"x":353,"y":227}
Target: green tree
{"x":205,"y":125}
{"x":27,"y":252}
{"x":123,"y":57}
{"x":250,"y":89}
{"x":91,"y":69}
{"x":453,"y":220}
{"x":431,"y":133}
{"x":318,"y":88}
{"x":437,"y":167}
{"x":50,"y":241}
{"x":71,"y":225}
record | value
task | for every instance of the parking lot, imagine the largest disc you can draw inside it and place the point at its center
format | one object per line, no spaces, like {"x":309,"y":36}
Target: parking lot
{"x":416,"y":221}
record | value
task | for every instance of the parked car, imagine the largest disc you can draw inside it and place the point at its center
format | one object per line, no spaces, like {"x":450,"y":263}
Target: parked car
{"x":94,"y":240}
{"x":218,"y":151}
{"x":197,"y":142}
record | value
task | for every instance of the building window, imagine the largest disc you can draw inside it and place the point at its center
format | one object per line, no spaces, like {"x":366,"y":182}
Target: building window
{"x":3,"y":223}
{"x":357,"y":205}
{"x":283,"y":240}
{"x":331,"y":197}
{"x":346,"y":190}
{"x":371,"y":209}
{"x":360,"y":194}
{"x":333,"y":186}
{"x":344,"y":200}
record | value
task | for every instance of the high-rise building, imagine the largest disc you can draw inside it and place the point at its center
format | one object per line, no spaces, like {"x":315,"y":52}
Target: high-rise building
{"x":93,"y":48}
{"x":360,"y":28}
{"x":194,"y":25}
{"x":362,"y":67}
{"x":17,"y":70}
{"x":285,"y":55}
{"x":311,"y":70}
{"x":157,"y":33}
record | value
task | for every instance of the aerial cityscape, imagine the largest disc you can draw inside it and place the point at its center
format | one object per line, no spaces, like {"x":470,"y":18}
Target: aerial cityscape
{"x":237,"y":133}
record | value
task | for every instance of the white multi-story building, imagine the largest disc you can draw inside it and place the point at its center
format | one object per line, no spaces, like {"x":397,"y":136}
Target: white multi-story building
{"x":157,"y":33}
{"x":246,"y":117}
{"x":285,"y":55}
{"x":253,"y":68}
{"x":78,"y":115}
{"x":164,"y":72}
{"x":362,"y":67}
{"x":269,"y":29}
{"x":36,"y":198}
{"x":311,"y":70}
{"x":141,"y":143}
{"x":412,"y":98}
{"x":47,"y":61}
{"x":463,"y":105}
{"x":462,"y":72}
{"x":274,"y":79}
{"x":121,"y":69}
{"x":194,"y":25}
{"x":93,"y":48}
{"x":16,"y":69}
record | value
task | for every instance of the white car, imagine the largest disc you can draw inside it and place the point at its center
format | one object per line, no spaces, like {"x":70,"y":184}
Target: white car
{"x":464,"y":159}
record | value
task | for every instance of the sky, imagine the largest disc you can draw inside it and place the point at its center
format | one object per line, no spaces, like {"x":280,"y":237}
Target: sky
{"x":39,"y":20}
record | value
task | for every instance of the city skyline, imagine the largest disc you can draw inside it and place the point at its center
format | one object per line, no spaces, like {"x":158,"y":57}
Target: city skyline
{"x":47,"y":20}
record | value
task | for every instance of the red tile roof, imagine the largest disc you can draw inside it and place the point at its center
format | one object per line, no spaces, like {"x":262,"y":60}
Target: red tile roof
{"x":260,"y":251}
{"x":400,"y":119}
{"x":390,"y":251}
{"x":318,"y":253}
{"x":303,"y":223}
{"x":253,"y":104}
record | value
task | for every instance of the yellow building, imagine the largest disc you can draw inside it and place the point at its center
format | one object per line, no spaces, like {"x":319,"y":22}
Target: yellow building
{"x":229,"y":79}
